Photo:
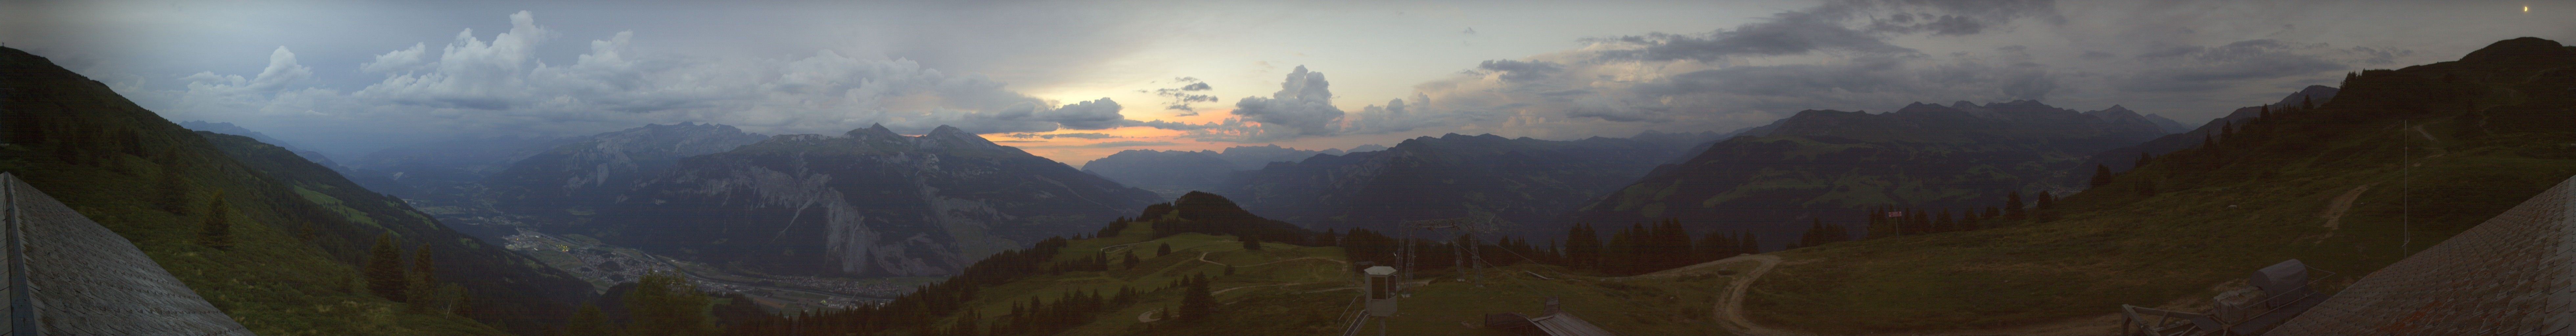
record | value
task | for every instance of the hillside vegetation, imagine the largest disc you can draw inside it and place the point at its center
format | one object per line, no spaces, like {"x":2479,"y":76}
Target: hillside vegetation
{"x":292,"y":235}
{"x":2398,"y":161}
{"x":1201,"y":266}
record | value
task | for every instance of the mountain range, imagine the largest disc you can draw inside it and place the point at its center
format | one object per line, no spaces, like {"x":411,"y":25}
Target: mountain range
{"x":595,"y":170}
{"x":1829,"y":165}
{"x":2126,"y":157}
{"x":865,"y":203}
{"x":1521,"y":180}
{"x":1176,"y":172}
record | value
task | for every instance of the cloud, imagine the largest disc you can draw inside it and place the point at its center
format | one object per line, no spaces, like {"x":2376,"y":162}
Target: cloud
{"x":1840,"y":54}
{"x":1169,"y":125}
{"x":1829,"y":28}
{"x":2202,"y":68}
{"x":1111,"y":144}
{"x":1516,"y":70}
{"x":1397,"y":115}
{"x":1087,"y":115}
{"x":472,"y":84}
{"x":1063,"y":135}
{"x":1181,"y":97}
{"x":1302,"y":107}
{"x":399,"y":61}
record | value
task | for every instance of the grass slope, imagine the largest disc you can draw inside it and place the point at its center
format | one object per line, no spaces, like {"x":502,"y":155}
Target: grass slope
{"x":296,"y":238}
{"x":2199,"y":221}
{"x":1298,"y":290}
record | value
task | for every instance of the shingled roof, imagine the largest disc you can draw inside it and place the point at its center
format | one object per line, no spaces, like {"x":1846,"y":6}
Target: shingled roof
{"x":2515,"y":274}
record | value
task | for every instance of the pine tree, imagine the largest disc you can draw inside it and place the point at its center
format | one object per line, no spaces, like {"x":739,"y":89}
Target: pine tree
{"x":1582,"y":247}
{"x":1716,"y":246}
{"x":218,"y":229}
{"x":588,"y":321}
{"x":1196,"y":303}
{"x":1251,"y":242}
{"x":174,"y":191}
{"x":1131,"y":259}
{"x":2013,"y":207}
{"x":2101,"y":175}
{"x":2143,"y":159}
{"x":1750,"y":244}
{"x":2227,"y":132}
{"x":1165,"y":249}
{"x":421,"y":280}
{"x":664,"y":304}
{"x":384,"y":269}
{"x":2046,"y":201}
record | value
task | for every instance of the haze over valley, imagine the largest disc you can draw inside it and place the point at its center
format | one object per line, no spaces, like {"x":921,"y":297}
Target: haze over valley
{"x":1140,"y":168}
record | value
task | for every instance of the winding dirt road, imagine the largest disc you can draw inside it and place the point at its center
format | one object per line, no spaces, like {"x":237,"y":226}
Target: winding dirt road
{"x":1730,"y":309}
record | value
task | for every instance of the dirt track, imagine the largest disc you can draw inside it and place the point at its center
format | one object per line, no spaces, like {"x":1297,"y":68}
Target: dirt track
{"x":1730,"y":310}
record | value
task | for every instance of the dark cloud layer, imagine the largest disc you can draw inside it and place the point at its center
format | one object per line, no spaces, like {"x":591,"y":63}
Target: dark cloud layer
{"x":1828,"y":28}
{"x":2200,"y":68}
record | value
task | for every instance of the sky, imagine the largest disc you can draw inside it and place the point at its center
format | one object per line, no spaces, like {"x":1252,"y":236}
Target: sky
{"x":1075,"y":81}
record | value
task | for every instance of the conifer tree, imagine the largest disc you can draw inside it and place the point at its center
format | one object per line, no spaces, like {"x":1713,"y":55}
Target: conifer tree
{"x":217,"y":232}
{"x":588,"y":321}
{"x":384,"y":269}
{"x":1131,"y":259}
{"x":421,"y":280}
{"x":2046,"y":201}
{"x":664,"y":304}
{"x":1196,"y":303}
{"x":2227,"y":132}
{"x":2012,"y":205}
{"x":2101,"y":175}
{"x":1751,"y":244}
{"x":1582,"y":247}
{"x":174,"y":192}
{"x":1716,"y":246}
{"x":1251,"y":242}
{"x":2143,"y":159}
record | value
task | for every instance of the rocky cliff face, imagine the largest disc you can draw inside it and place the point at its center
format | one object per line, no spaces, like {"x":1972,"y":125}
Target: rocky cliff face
{"x":598,"y":168}
{"x":869,"y":202}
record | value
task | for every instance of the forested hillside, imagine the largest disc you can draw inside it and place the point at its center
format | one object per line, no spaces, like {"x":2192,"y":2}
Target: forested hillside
{"x":286,"y":246}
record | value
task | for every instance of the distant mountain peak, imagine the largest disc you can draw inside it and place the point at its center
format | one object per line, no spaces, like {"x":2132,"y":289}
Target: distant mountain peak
{"x":873,"y":132}
{"x":951,"y":137}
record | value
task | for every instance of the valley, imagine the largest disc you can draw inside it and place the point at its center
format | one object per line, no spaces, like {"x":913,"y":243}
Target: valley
{"x":1866,"y":167}
{"x":605,"y":266}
